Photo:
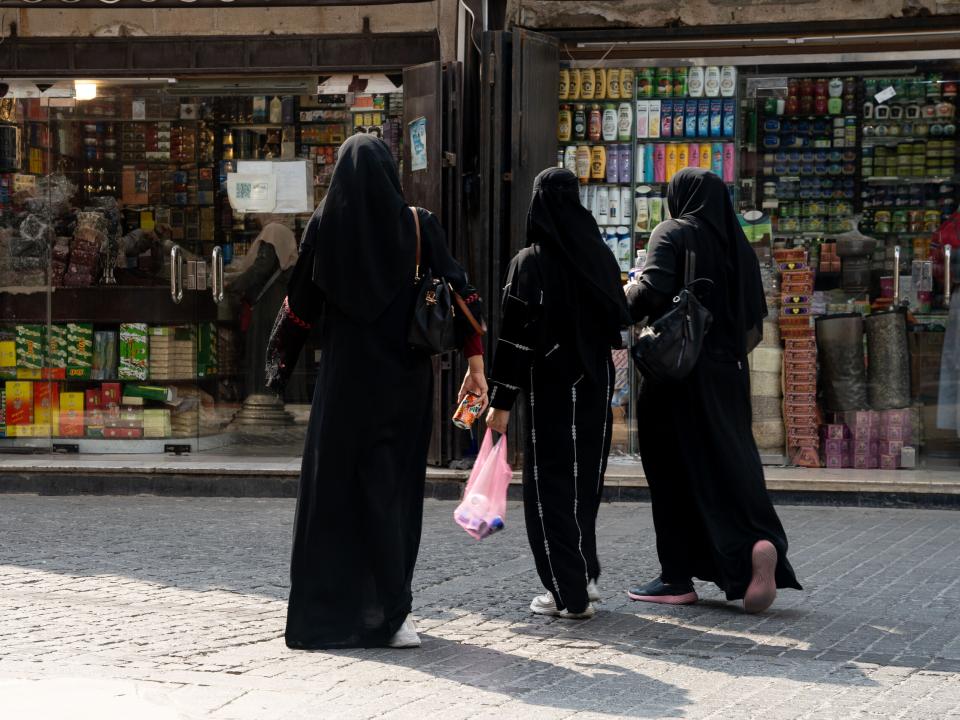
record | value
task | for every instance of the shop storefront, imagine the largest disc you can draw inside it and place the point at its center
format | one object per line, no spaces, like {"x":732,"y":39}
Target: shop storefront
{"x":844,"y":169}
{"x":132,"y":311}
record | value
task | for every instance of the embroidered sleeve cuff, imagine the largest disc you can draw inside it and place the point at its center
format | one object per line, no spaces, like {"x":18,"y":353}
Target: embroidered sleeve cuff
{"x":293,"y":316}
{"x":502,"y":395}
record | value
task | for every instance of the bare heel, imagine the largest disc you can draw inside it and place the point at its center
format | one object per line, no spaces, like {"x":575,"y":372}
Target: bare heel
{"x":762,"y":590}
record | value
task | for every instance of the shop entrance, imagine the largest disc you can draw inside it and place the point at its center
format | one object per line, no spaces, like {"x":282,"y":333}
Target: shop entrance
{"x":136,"y":299}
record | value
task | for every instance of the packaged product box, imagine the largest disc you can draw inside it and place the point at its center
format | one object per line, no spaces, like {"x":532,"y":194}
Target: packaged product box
{"x":866,"y":447}
{"x":104,"y":355}
{"x":79,"y":350}
{"x":858,"y":418}
{"x":157,"y":423}
{"x":110,"y":394}
{"x":796,"y":298}
{"x":93,"y":398}
{"x":160,"y":393}
{"x":93,"y":423}
{"x":122,"y":433}
{"x":836,"y":461}
{"x":889,"y":462}
{"x":133,"y":351}
{"x":866,"y":462}
{"x":836,"y":432}
{"x":30,"y":341}
{"x":56,"y":361}
{"x":45,"y":402}
{"x":19,"y":402}
{"x":71,"y":414}
{"x":897,"y":418}
{"x":803,"y":399}
{"x":8,"y":359}
{"x":891,"y":447}
{"x":207,"y":355}
{"x":837,"y":447}
{"x":896,"y":433}
{"x":806,"y":457}
{"x":865,"y":434}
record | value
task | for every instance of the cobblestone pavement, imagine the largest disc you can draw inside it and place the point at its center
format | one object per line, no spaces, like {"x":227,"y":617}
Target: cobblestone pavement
{"x":146,"y":607}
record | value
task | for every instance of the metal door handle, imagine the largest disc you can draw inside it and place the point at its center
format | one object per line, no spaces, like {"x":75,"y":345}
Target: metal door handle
{"x":176,"y":274}
{"x":896,"y":275}
{"x":947,"y":251}
{"x":216,"y":273}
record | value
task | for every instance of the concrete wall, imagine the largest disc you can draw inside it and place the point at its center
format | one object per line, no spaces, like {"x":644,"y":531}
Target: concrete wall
{"x":658,"y":13}
{"x":414,"y":17}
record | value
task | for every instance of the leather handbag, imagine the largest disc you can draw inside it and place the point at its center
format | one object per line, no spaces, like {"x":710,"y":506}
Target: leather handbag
{"x":668,"y":348}
{"x":432,"y":327}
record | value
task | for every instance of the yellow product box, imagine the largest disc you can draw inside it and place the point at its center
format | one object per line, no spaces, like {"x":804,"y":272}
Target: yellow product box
{"x":19,"y":403}
{"x":71,"y":402}
{"x":28,"y":373}
{"x":8,"y":353}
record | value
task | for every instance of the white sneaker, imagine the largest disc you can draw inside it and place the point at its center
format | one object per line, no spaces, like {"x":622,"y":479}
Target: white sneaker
{"x":593,"y":592}
{"x":406,"y":636}
{"x":545,"y":605}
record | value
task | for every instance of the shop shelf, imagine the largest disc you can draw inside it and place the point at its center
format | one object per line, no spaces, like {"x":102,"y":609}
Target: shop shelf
{"x":891,"y":179}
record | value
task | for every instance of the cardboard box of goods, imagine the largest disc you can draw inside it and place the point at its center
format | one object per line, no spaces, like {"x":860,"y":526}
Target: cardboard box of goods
{"x":796,"y":288}
{"x":801,"y":345}
{"x":801,"y":387}
{"x":30,"y":340}
{"x":19,"y":402}
{"x":836,"y":432}
{"x":806,"y":369}
{"x":795,"y":311}
{"x":133,"y":351}
{"x":796,"y":298}
{"x":8,"y":355}
{"x":94,"y":423}
{"x":806,"y":457}
{"x":889,"y":462}
{"x":71,"y":414}
{"x":896,"y":433}
{"x":800,"y":399}
{"x":110,"y":394}
{"x":122,"y":433}
{"x":837,"y":447}
{"x":45,"y":402}
{"x":797,"y":355}
{"x":891,"y":447}
{"x":865,"y":434}
{"x":897,"y":418}
{"x":79,"y":350}
{"x":789,"y":254}
{"x":866,"y":447}
{"x":866,"y":462}
{"x":93,"y":398}
{"x":160,"y":393}
{"x":858,"y":418}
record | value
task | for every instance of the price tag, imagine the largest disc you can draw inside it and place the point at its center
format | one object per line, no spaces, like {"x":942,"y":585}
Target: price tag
{"x":885,"y":94}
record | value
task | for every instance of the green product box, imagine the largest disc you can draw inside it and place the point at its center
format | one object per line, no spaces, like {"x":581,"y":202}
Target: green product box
{"x":30,"y":341}
{"x":207,"y":356}
{"x":79,"y":350}
{"x":133,"y":351}
{"x":160,"y":393}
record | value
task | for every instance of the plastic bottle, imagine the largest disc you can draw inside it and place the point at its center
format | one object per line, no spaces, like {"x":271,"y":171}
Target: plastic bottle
{"x":626,"y":164}
{"x":659,"y":163}
{"x":716,"y":165}
{"x":728,"y":81}
{"x":603,"y":205}
{"x":626,"y":205}
{"x":711,"y":81}
{"x":641,"y":164}
{"x":695,"y":81}
{"x":613,"y":164}
{"x":276,"y":111}
{"x":728,"y":162}
{"x":609,"y":123}
{"x":598,"y":163}
{"x":613,"y":205}
{"x":624,"y":122}
{"x":570,"y":158}
{"x":624,"y":247}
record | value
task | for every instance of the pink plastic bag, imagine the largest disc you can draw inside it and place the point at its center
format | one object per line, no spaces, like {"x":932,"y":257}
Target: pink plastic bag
{"x":484,"y":505}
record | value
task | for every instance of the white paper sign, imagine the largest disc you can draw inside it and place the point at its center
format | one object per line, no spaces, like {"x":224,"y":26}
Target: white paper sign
{"x":292,"y":182}
{"x":885,"y":94}
{"x":252,"y":193}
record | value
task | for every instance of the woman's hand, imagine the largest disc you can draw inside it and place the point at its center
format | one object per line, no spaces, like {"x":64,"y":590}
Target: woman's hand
{"x":475,"y":382}
{"x":498,"y":420}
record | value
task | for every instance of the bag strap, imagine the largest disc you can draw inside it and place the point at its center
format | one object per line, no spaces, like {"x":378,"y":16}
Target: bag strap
{"x":689,"y":268}
{"x":416,"y":222}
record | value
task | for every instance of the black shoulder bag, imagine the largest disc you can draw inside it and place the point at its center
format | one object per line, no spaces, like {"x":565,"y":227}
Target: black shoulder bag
{"x":433,"y":325}
{"x":668,"y":348}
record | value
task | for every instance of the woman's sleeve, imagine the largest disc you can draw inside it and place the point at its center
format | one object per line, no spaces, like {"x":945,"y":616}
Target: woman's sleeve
{"x":251,"y":283}
{"x":442,"y":263}
{"x":658,"y":281}
{"x":516,"y":346}
{"x":297,"y":315}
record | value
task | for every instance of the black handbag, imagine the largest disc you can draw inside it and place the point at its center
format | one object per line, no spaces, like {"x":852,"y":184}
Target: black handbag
{"x":432,"y":328}
{"x":668,"y":348}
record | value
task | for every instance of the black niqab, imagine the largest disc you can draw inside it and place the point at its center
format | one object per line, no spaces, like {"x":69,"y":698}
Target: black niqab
{"x":364,"y":246}
{"x":587,"y":293}
{"x":699,"y":202}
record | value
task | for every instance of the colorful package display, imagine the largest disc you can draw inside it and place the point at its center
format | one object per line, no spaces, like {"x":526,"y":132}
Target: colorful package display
{"x":8,"y":359}
{"x":104,"y":355}
{"x":57,"y":355}
{"x":110,"y":394}
{"x":30,"y":342}
{"x":46,"y":403}
{"x":3,"y":411}
{"x":173,"y":352}
{"x":156,"y":423}
{"x":19,"y":403}
{"x":79,"y":350}
{"x":72,"y":414}
{"x":207,"y":351}
{"x":134,"y":348}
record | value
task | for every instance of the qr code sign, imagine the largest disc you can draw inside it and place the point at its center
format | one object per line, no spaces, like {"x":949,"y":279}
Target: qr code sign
{"x":244,"y":191}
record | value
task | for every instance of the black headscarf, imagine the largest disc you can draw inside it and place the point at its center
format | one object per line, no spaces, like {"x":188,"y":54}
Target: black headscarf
{"x":699,"y":199}
{"x":588,"y":293}
{"x":364,"y":246}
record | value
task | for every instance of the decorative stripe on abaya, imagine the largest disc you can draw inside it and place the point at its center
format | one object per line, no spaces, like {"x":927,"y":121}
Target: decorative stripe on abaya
{"x":562,"y":312}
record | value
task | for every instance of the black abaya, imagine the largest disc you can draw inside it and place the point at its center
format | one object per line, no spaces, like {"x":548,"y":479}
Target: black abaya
{"x":562,"y":312}
{"x":710,"y":503}
{"x":360,"y":503}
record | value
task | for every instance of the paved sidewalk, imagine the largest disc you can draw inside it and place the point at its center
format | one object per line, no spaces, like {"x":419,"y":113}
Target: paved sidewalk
{"x":146,"y":607}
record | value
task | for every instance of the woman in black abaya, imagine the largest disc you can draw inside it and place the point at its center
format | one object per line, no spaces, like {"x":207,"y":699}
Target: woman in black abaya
{"x":713,"y":518}
{"x":563,"y":308}
{"x":360,"y":504}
